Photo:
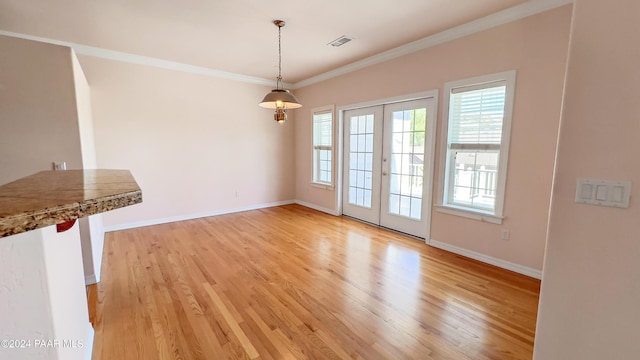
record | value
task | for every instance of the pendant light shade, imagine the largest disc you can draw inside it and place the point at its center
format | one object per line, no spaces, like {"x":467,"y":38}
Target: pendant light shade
{"x":279,"y":98}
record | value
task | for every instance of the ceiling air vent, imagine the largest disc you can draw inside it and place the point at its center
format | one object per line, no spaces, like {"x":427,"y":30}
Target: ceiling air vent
{"x":340,"y":41}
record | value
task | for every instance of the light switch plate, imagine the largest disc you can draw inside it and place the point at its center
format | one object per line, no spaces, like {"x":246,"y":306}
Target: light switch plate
{"x":611,"y":193}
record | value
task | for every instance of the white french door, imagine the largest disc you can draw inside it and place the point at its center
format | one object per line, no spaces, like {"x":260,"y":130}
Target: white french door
{"x":388,"y":165}
{"x":362,"y":163}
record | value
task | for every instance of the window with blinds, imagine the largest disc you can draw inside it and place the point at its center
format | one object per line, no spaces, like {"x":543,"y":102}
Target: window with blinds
{"x":323,"y":146}
{"x":475,"y":117}
{"x":479,"y":118}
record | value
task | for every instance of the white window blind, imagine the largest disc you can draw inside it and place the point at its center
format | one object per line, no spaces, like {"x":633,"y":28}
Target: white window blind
{"x":475,"y":117}
{"x":322,"y":124}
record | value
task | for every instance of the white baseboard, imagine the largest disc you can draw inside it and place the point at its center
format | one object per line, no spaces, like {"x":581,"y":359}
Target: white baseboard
{"x":88,"y":346}
{"x":537,"y":274}
{"x":143,"y":223}
{"x":316,"y":207}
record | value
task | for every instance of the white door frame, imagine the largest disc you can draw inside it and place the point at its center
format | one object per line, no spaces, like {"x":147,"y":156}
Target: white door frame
{"x":340,"y":110}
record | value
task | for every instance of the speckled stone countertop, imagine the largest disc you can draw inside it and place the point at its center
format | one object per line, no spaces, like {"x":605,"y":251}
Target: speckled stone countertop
{"x":54,"y":197}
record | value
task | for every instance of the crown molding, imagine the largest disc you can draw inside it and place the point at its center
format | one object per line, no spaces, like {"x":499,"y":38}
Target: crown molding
{"x":518,"y":12}
{"x":144,"y":60}
{"x":526,"y":9}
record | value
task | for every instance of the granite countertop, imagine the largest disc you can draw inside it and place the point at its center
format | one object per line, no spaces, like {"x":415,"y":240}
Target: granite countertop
{"x":54,"y":197}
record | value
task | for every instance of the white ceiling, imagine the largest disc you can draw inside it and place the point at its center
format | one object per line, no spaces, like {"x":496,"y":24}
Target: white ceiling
{"x":238,"y":36}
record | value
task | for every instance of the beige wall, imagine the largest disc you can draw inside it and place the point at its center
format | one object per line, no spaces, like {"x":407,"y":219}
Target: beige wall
{"x":45,"y":116}
{"x":590,"y":299}
{"x":536,"y":47}
{"x":38,"y":115}
{"x":190,"y":141}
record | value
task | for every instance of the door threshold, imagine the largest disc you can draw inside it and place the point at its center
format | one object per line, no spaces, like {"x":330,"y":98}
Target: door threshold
{"x":384,"y":227}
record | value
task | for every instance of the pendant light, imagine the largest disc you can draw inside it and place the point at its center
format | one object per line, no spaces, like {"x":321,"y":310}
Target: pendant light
{"x":279,"y":98}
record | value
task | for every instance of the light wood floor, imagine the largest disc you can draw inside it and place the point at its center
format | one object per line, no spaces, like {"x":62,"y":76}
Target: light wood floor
{"x":293,"y":283}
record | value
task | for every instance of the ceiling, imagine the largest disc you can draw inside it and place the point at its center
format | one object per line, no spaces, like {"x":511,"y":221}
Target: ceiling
{"x":238,"y":36}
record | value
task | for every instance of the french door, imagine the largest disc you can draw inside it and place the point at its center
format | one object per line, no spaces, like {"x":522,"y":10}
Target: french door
{"x":388,"y":165}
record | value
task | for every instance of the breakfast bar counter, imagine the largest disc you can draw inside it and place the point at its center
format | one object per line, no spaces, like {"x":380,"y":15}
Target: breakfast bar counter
{"x":54,"y":197}
{"x":43,"y":304}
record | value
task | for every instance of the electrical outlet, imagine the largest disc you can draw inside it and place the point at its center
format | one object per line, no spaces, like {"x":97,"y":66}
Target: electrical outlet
{"x":60,"y":165}
{"x":237,"y":193}
{"x":505,"y":234}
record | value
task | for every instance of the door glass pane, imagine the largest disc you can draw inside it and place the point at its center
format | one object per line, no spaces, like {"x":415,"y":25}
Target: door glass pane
{"x":352,"y":195}
{"x":353,"y":127}
{"x":369,"y":121}
{"x":407,"y":162}
{"x":367,"y":183}
{"x":396,"y":143}
{"x":368,"y":164}
{"x":360,"y":182}
{"x":416,"y":205}
{"x":362,"y":124}
{"x":361,"y":160}
{"x":369,"y":143}
{"x":407,"y":120}
{"x":394,"y":204}
{"x":362,"y":143}
{"x":367,"y":198}
{"x":394,"y":184}
{"x":353,"y":143}
{"x":405,"y":205}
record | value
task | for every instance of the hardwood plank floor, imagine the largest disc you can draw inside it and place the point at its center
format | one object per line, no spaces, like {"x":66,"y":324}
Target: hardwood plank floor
{"x":293,"y":283}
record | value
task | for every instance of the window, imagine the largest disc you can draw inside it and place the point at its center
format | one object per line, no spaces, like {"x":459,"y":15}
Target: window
{"x":323,"y":145}
{"x":477,"y":143}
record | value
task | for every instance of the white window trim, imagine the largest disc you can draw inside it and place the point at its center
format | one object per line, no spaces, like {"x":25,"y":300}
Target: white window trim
{"x":497,"y":216}
{"x":322,"y":185}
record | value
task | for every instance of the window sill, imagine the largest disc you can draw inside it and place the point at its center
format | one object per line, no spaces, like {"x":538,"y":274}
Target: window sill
{"x":471,"y":214}
{"x":322,"y":186}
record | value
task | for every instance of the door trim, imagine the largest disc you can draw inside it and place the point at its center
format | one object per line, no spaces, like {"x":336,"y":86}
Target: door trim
{"x":340,"y":110}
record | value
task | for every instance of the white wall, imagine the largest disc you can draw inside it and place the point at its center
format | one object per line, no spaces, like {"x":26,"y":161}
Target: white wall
{"x":590,"y":297}
{"x":42,"y":295}
{"x":191,"y":141}
{"x":23,"y":293}
{"x":66,"y":293}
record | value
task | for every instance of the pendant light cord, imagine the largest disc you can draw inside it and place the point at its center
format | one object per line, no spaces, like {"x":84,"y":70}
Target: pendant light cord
{"x":279,"y":98}
{"x":279,"y":84}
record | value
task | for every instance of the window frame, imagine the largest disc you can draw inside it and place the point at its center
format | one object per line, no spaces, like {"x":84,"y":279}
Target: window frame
{"x":315,"y":163}
{"x":447,"y":155}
